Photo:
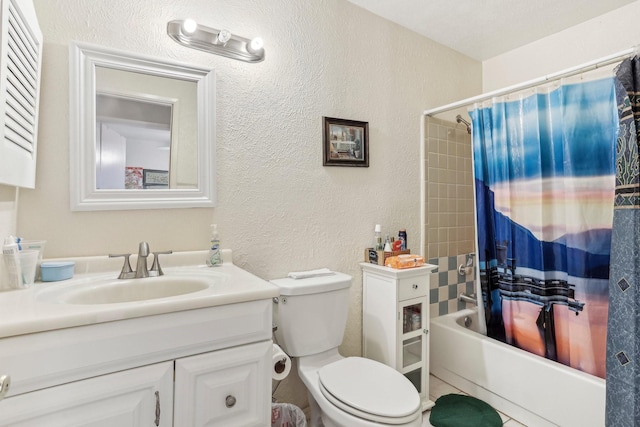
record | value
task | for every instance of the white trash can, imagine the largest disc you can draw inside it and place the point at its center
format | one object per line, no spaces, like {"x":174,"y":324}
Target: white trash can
{"x":287,"y":415}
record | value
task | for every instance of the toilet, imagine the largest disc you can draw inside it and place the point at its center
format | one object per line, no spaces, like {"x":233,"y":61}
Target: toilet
{"x":311,"y":315}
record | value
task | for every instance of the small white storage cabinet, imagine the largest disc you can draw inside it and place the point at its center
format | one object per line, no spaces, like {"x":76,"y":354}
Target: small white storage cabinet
{"x":395,"y":321}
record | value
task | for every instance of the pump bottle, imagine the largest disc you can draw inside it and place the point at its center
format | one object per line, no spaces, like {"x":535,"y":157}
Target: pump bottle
{"x":377,"y":238}
{"x":215,"y":257}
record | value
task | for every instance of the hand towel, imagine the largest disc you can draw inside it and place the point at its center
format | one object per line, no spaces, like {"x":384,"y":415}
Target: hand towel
{"x":310,"y":273}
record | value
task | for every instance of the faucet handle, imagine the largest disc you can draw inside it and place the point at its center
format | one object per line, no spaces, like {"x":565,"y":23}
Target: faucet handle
{"x":126,"y":272}
{"x":155,"y":267}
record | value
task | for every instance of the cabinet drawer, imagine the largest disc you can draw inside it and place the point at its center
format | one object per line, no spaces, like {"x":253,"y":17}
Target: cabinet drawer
{"x":412,"y":287}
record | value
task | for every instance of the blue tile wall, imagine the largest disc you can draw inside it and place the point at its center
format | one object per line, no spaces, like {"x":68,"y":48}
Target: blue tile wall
{"x":446,"y":284}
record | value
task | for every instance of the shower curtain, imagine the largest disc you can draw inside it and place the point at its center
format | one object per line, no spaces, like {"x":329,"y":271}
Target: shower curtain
{"x":544,"y":165}
{"x":623,"y":343}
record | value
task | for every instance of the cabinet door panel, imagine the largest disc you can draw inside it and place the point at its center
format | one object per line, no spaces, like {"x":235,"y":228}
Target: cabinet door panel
{"x":227,"y":388}
{"x":122,"y":399}
{"x":412,"y":348}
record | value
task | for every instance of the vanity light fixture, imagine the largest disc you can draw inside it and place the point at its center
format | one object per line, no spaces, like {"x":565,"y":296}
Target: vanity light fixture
{"x":221,"y":42}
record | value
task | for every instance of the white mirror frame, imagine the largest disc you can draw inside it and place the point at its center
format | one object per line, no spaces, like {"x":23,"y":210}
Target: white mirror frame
{"x":83,"y":58}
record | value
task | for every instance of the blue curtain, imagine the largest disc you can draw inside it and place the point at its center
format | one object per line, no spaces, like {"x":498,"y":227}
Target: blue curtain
{"x":623,"y":342}
{"x":544,"y":167}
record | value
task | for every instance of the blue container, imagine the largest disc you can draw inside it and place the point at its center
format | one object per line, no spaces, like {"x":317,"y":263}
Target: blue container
{"x":56,"y":271}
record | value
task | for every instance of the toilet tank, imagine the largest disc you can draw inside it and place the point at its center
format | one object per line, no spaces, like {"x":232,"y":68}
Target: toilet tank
{"x":311,"y":314}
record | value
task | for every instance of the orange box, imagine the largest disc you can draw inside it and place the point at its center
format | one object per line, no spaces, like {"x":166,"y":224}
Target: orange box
{"x":404,"y":261}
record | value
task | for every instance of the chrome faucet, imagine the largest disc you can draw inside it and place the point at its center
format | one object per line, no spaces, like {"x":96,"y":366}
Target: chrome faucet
{"x":141,"y":270}
{"x":470,"y":299}
{"x":141,"y":265}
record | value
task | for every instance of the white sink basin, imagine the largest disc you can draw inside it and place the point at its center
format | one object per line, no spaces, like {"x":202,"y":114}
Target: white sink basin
{"x":136,"y":290}
{"x":114,"y":291}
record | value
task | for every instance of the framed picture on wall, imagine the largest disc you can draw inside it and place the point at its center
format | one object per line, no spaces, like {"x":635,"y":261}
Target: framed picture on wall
{"x":345,"y":142}
{"x":154,"y":178}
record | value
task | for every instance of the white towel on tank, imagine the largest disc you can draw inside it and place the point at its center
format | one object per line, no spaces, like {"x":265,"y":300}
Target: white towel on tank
{"x":310,"y":273}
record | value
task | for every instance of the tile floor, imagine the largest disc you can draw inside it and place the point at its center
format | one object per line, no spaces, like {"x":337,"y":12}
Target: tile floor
{"x":438,"y":388}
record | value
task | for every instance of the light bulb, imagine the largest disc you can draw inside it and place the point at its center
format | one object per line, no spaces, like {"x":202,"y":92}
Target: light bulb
{"x":223,"y":36}
{"x":255,"y":45}
{"x":189,"y":26}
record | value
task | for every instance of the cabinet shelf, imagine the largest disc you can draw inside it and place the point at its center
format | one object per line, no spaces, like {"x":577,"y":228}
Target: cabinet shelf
{"x":412,"y":351}
{"x":412,"y":334}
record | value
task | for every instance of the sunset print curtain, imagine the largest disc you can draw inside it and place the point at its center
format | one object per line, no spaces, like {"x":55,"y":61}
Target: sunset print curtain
{"x":544,"y":165}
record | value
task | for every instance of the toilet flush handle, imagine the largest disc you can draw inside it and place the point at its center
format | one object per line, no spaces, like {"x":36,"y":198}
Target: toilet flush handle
{"x":5,"y":382}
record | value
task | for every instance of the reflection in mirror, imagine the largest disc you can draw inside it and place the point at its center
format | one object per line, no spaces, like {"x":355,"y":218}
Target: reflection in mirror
{"x":133,"y":135}
{"x":142,"y":131}
{"x":151,"y":102}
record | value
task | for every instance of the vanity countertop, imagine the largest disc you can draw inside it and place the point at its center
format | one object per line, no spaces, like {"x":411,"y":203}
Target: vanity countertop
{"x":25,"y":311}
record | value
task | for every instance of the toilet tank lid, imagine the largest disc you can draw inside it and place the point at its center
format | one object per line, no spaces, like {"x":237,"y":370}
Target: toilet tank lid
{"x":312,"y":285}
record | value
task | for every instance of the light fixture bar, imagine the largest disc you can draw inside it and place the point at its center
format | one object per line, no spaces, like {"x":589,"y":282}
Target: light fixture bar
{"x":219,"y":42}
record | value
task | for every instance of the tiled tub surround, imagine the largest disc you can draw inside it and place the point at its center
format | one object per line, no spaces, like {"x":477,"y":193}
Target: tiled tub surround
{"x":449,"y":211}
{"x":446,"y":284}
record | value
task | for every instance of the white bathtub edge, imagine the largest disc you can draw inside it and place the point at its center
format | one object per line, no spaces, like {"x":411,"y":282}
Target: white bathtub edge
{"x":560,"y":387}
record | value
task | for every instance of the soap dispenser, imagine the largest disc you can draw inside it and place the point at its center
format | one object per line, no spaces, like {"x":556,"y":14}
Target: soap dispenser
{"x":215,"y":257}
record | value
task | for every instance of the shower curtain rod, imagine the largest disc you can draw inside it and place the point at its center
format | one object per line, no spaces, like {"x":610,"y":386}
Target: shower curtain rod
{"x":587,"y":66}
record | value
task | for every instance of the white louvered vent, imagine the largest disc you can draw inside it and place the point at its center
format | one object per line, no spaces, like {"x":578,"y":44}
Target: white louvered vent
{"x":22,"y":83}
{"x":20,"y":66}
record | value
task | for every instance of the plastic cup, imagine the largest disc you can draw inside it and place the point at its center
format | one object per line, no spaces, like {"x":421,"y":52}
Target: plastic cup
{"x":36,"y":245}
{"x":29,"y":245}
{"x":28,"y":264}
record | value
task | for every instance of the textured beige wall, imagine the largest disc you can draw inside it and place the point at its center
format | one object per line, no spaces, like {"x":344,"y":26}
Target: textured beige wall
{"x":278,"y":208}
{"x":605,"y":35}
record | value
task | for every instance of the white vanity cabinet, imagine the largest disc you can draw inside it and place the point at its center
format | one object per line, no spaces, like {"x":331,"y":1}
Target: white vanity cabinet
{"x":395,"y":321}
{"x":207,"y":366}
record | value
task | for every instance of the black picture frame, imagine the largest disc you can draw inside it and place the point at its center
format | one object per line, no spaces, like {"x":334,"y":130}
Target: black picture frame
{"x":155,"y":178}
{"x":345,"y":142}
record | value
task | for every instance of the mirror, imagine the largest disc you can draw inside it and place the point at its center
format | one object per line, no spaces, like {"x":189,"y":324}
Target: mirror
{"x":142,"y":131}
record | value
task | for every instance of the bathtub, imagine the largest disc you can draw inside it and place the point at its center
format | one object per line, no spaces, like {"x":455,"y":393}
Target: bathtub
{"x":535,"y":391}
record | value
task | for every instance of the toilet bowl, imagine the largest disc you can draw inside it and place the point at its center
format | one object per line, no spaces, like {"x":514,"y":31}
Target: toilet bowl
{"x":311,"y":315}
{"x":358,"y":392}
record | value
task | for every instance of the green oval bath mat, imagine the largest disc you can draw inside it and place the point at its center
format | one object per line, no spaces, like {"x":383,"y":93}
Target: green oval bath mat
{"x":457,"y":410}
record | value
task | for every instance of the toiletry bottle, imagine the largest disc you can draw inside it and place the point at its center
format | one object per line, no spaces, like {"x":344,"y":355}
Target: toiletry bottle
{"x":377,"y":238}
{"x":215,"y":257}
{"x":387,"y":244}
{"x":402,"y":236}
{"x":11,"y":258}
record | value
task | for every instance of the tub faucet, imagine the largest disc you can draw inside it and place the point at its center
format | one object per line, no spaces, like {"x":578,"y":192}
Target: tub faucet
{"x":470,"y":299}
{"x":467,"y":268}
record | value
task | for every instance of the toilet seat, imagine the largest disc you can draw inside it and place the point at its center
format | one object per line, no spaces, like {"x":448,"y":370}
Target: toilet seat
{"x":370,"y":390}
